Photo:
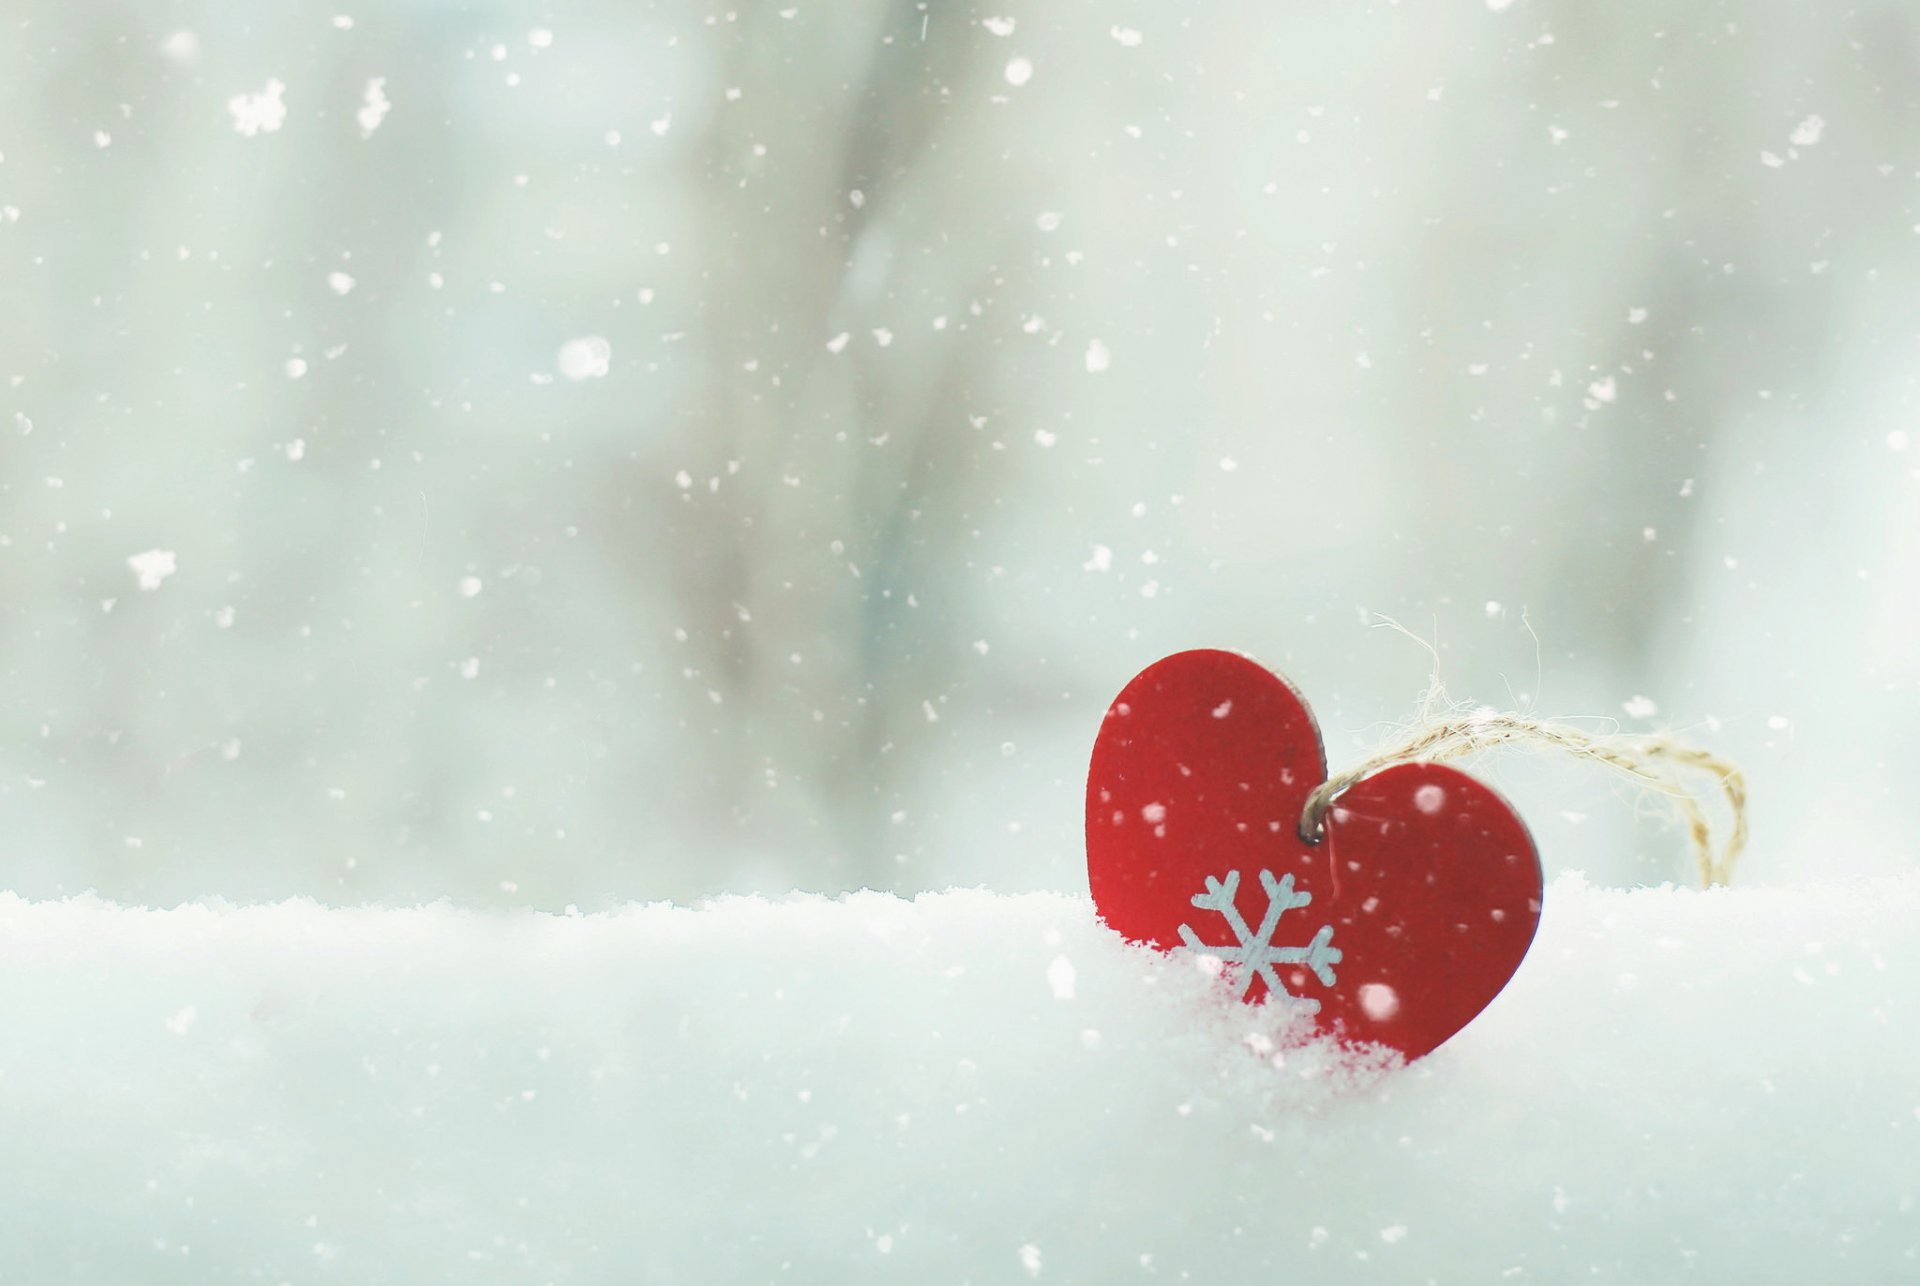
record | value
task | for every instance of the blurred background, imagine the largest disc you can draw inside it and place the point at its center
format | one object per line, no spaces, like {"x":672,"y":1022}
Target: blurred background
{"x":541,"y":454}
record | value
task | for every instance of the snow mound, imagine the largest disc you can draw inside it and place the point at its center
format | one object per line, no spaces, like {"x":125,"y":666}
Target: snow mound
{"x":965,"y":1087}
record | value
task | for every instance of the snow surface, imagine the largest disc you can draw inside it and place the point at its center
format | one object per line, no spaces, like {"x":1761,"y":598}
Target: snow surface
{"x":1678,"y":1086}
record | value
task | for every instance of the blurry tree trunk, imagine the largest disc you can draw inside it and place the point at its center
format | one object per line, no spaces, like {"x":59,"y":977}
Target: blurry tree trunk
{"x":816,"y":550}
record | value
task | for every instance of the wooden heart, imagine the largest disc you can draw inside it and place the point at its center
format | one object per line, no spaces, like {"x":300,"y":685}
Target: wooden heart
{"x":1405,"y":918}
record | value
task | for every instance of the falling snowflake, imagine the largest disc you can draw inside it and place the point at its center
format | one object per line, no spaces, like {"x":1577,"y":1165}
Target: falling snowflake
{"x":1255,"y":952}
{"x":261,"y":113}
{"x":588,"y":358}
{"x":373,"y":106}
{"x":152,"y":567}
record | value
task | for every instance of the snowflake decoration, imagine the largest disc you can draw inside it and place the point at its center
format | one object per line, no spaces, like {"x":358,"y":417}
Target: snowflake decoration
{"x":1255,"y":952}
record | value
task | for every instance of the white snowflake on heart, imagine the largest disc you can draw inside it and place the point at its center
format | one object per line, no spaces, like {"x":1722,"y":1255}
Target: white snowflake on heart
{"x":1255,"y":952}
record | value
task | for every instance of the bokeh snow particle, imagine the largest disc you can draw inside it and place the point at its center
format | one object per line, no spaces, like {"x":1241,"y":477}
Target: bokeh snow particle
{"x":1380,"y":1001}
{"x":181,"y":47}
{"x":1099,"y":357}
{"x":373,"y":106}
{"x":152,"y":567}
{"x":1061,"y":978}
{"x":588,"y":358}
{"x":1019,"y":71}
{"x":1808,"y":132}
{"x":261,"y":113}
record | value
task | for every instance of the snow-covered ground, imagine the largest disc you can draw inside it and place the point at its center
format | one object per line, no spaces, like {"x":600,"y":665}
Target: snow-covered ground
{"x":1678,"y":1086}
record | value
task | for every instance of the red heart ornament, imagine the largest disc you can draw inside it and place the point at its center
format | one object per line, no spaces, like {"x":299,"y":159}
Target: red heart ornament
{"x":1405,"y":919}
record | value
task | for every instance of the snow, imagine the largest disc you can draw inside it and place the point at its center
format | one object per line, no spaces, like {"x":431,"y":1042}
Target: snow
{"x":373,"y":106}
{"x":589,"y":357}
{"x":181,"y":47}
{"x":259,"y":113}
{"x":151,"y":568}
{"x":1808,"y":132}
{"x":966,"y":1086}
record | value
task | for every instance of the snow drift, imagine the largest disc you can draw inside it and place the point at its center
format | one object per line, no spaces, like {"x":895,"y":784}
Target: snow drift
{"x":962,"y":1088}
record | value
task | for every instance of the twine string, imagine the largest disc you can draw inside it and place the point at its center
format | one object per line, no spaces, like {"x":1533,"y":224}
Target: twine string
{"x":1656,"y":763}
